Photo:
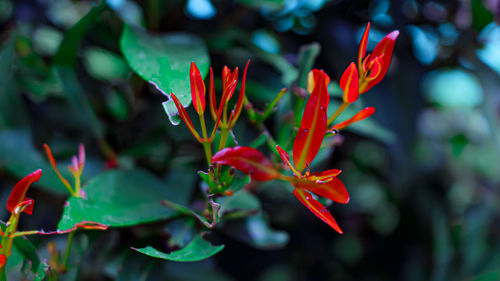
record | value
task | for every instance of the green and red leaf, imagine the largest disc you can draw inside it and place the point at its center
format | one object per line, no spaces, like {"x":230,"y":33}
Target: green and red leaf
{"x":363,"y":114}
{"x":197,"y":89}
{"x":350,"y":84}
{"x":314,"y":206}
{"x":18,"y":193}
{"x":313,"y":125}
{"x":329,"y":187}
{"x":248,"y":160}
{"x":383,"y":50}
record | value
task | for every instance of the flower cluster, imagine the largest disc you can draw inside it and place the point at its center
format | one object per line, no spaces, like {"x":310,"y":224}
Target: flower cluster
{"x":313,"y":128}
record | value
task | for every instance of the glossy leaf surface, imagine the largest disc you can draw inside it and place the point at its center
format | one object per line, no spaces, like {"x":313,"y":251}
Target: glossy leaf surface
{"x":314,"y":206}
{"x":248,"y":160}
{"x":313,"y":125}
{"x":332,"y":188}
{"x":197,"y":250}
{"x":122,"y":198}
{"x":383,"y":50}
{"x":18,"y":193}
{"x":165,"y":59}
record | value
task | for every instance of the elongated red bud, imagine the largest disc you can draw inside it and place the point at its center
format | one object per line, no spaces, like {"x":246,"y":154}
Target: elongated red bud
{"x":211,"y":95}
{"x":239,"y":104}
{"x":362,"y":45}
{"x":316,"y":208}
{"x":197,"y":89}
{"x":248,"y":160}
{"x":363,"y":114}
{"x":385,"y":47}
{"x":18,"y":193}
{"x":349,"y":84}
{"x":313,"y":125}
{"x":185,"y":117}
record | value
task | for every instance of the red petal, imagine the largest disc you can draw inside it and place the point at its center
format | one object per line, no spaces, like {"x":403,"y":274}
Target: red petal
{"x":185,"y":117}
{"x":349,"y":84}
{"x":239,"y":103}
{"x":385,"y":47}
{"x":197,"y":89}
{"x":324,"y":175}
{"x":313,"y":125}
{"x":313,"y":76}
{"x":3,"y":260}
{"x":248,"y":160}
{"x":230,"y":84}
{"x":18,"y":193}
{"x":333,"y":189}
{"x":362,"y":45}
{"x":211,"y":95}
{"x":363,"y":114}
{"x":284,"y":155}
{"x":314,"y":206}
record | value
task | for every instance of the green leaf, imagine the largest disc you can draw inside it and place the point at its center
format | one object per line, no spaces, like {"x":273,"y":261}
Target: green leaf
{"x":165,"y":59}
{"x":122,"y":198}
{"x":12,"y":111}
{"x":68,"y":50}
{"x":105,"y":65}
{"x":307,"y":56}
{"x":197,"y":250}
{"x":241,"y":200}
{"x":19,"y":157}
{"x":26,"y":249}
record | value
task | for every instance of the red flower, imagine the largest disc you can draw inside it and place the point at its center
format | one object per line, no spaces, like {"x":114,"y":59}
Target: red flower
{"x":373,"y":67}
{"x":305,"y":148}
{"x":198,"y":91}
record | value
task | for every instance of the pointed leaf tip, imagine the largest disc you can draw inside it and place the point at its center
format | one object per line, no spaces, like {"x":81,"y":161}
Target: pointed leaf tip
{"x":363,"y":114}
{"x":316,"y":208}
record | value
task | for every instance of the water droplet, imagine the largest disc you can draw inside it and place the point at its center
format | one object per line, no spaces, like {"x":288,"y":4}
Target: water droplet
{"x":306,"y":130}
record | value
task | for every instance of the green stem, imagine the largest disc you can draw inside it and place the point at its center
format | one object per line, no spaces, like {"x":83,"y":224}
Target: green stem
{"x":206,"y":144}
{"x":77,"y":187}
{"x":68,"y":250}
{"x":270,"y":108}
{"x":341,"y":108}
{"x":224,"y":131}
